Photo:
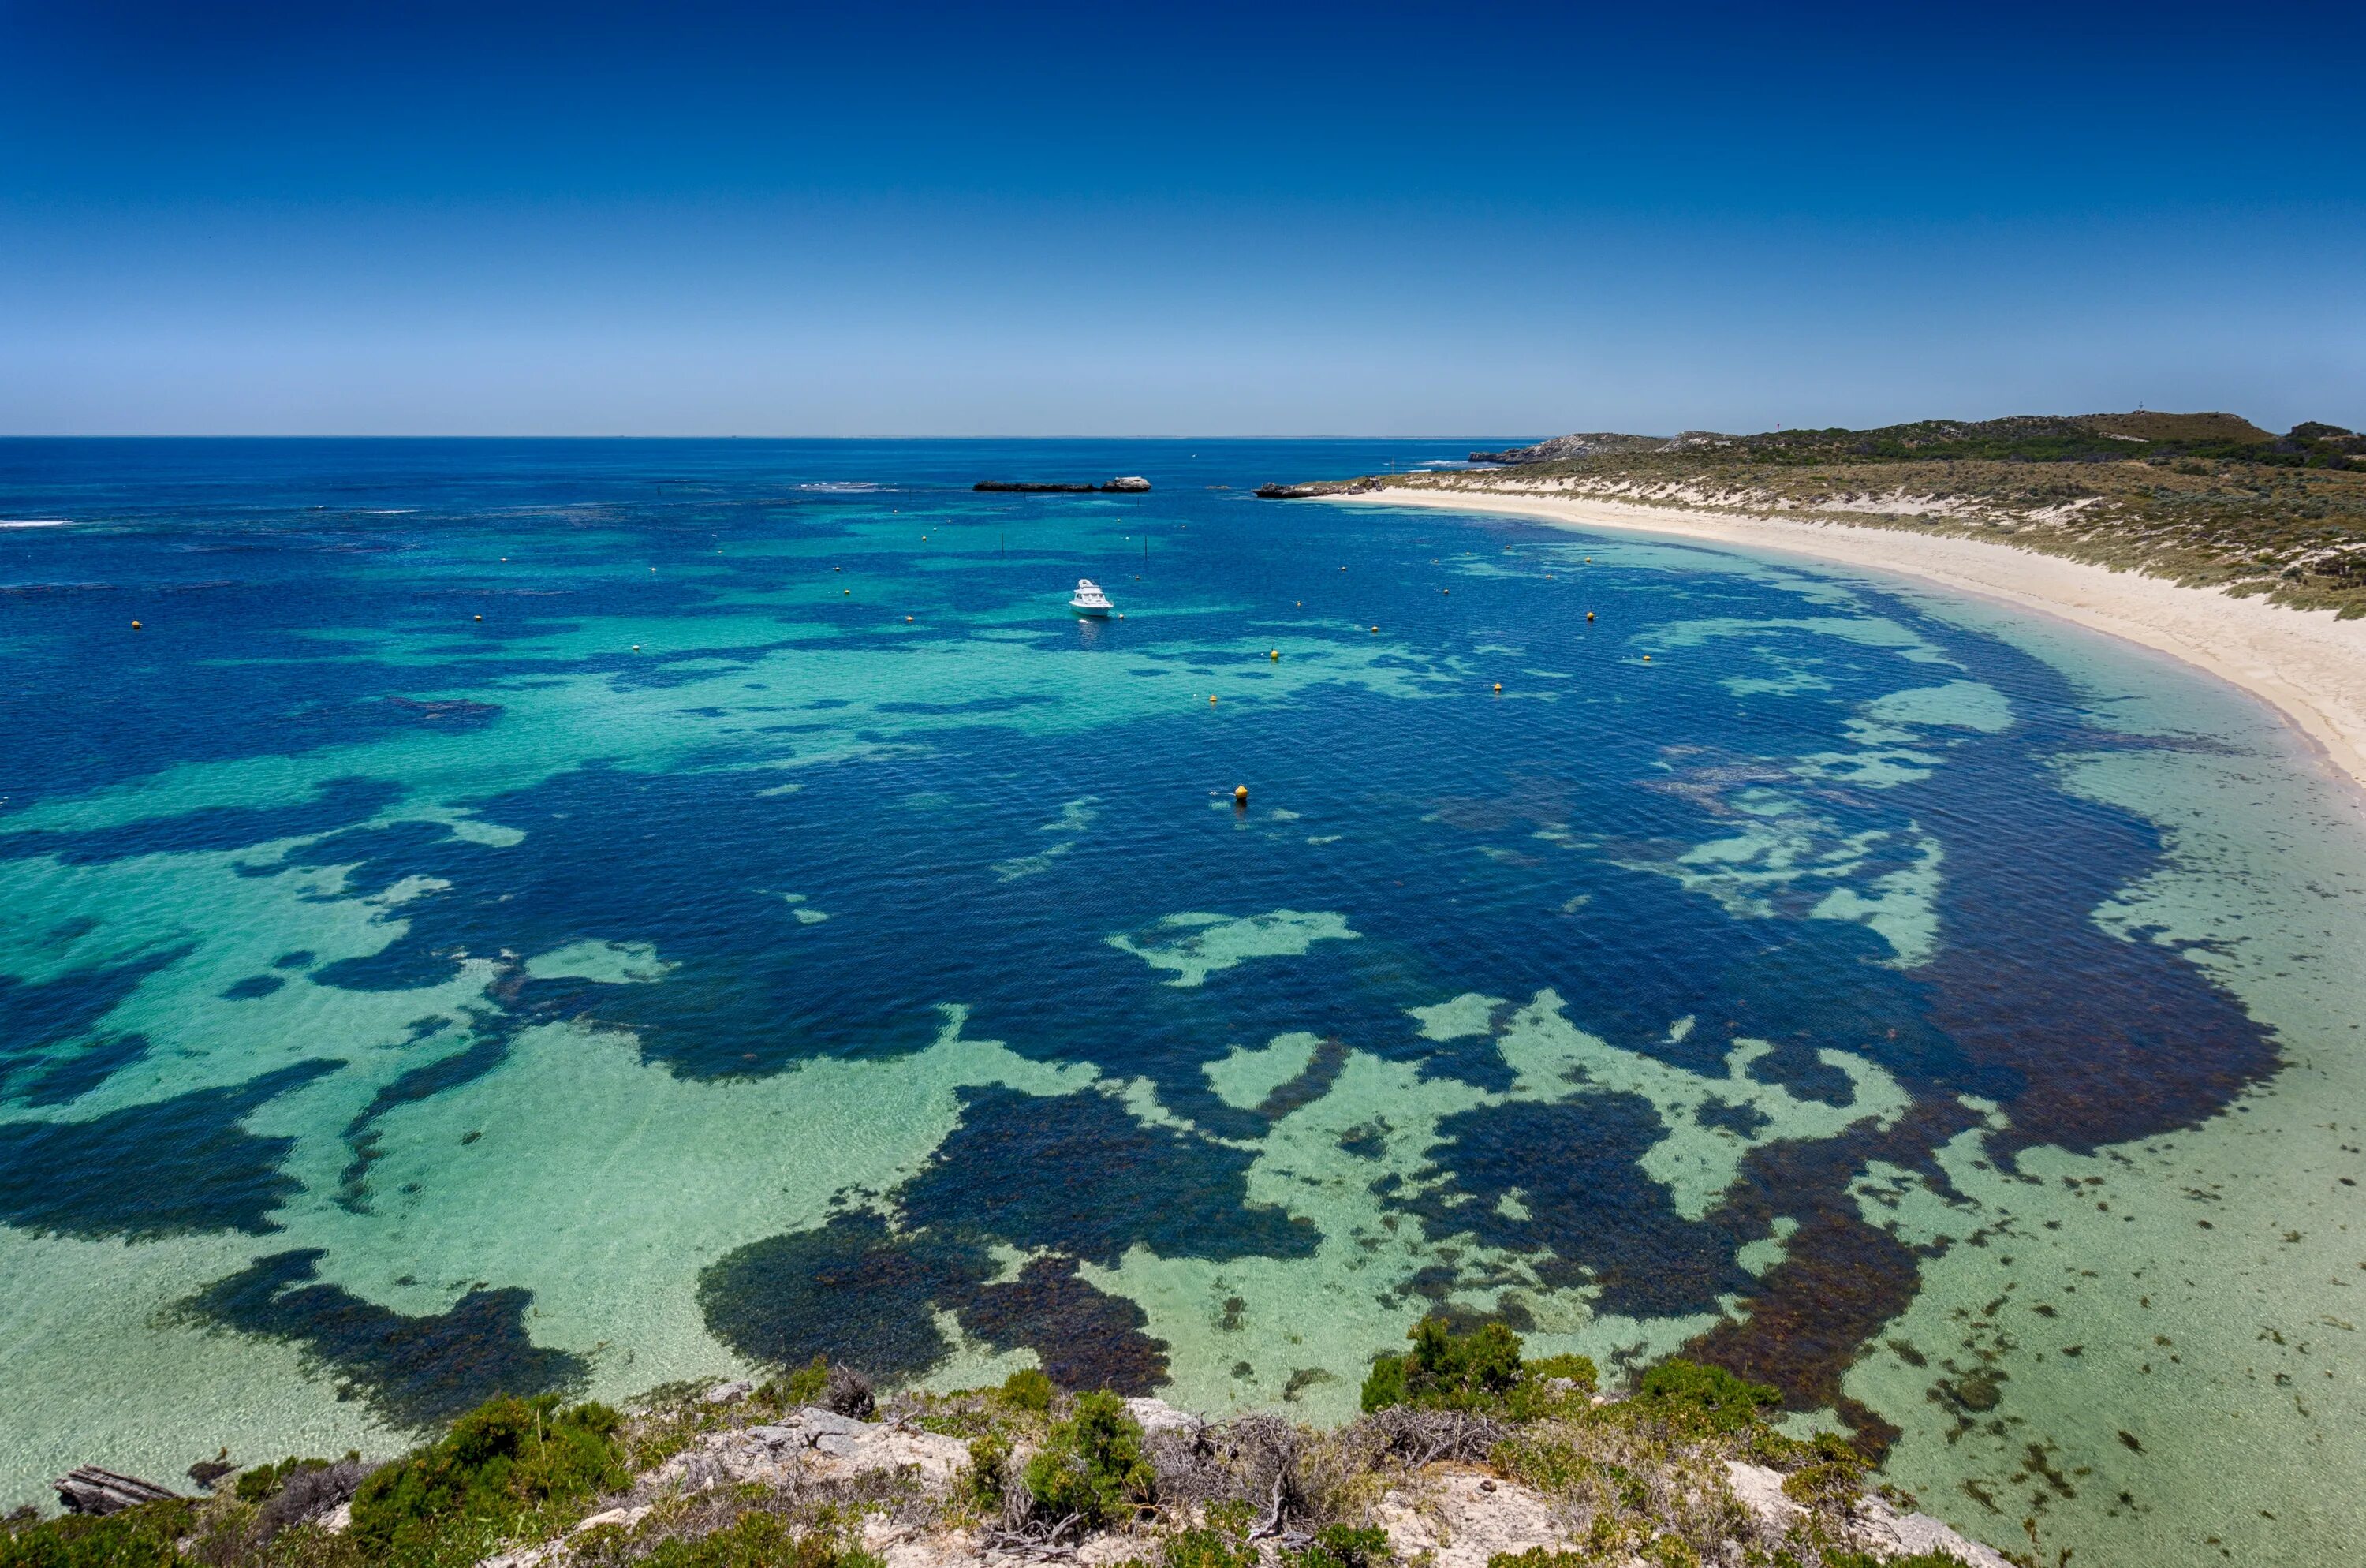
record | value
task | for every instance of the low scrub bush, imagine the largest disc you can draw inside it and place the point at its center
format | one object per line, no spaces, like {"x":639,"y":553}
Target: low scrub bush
{"x":1701,"y":1395}
{"x":505,"y":1459}
{"x":1027,"y":1389}
{"x":1344,"y":1546}
{"x":1539,"y":1557}
{"x":136,"y":1537}
{"x":759,"y":1540}
{"x":1447,"y":1371}
{"x":984,"y":1485}
{"x":1208,"y":1547}
{"x":1479,"y":1371}
{"x":1578,"y":1369}
{"x":1092,"y":1468}
{"x":806,"y":1385}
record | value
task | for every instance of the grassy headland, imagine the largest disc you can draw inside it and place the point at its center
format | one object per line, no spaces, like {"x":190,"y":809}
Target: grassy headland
{"x":2206,"y":500}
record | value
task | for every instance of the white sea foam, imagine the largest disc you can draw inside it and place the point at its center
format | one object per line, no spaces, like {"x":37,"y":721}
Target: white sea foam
{"x":33,"y":522}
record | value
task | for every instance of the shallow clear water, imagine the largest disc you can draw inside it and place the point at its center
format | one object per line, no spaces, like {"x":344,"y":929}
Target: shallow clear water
{"x":697,"y":964}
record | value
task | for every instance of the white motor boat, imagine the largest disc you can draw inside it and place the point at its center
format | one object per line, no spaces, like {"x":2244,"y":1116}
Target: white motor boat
{"x":1089,"y":600}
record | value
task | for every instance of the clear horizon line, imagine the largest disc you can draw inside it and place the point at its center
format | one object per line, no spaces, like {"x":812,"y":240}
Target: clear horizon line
{"x":530,"y":436}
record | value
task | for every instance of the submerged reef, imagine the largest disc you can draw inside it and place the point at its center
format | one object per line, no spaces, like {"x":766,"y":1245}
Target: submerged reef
{"x":417,"y":1371}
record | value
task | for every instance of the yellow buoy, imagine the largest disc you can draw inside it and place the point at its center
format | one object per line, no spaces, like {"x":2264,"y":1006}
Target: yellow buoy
{"x":907,"y":620}
{"x":846,"y":591}
{"x":135,"y":625}
{"x":636,"y":648}
{"x":1647,"y":658}
{"x":1376,"y":628}
{"x":480,"y":618}
{"x":1589,"y":615}
{"x":1240,"y":794}
{"x":1211,"y":696}
{"x":1499,"y":685}
{"x":1275,"y":655}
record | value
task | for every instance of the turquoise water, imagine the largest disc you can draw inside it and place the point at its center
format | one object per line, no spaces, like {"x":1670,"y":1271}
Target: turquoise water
{"x":777,"y":925}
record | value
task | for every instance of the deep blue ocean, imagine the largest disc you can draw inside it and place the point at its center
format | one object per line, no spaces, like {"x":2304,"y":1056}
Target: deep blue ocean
{"x":582,"y":914}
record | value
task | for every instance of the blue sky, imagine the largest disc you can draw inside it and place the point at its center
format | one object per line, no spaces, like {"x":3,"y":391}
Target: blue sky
{"x":1213,"y":219}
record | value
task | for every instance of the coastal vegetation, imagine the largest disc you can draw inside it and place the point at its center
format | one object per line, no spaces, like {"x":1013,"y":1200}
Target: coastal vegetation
{"x":2203,"y":498}
{"x":1461,"y":1433}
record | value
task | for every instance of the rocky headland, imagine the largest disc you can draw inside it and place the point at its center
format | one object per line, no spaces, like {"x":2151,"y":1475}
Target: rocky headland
{"x":1466,"y":1456}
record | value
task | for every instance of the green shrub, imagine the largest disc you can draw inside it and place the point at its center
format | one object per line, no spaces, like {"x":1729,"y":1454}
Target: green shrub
{"x":1578,"y":1369}
{"x":1832,"y":1477}
{"x":1548,"y":1466}
{"x":1092,"y":1466}
{"x":1027,"y":1389}
{"x":1447,"y":1371}
{"x":264,"y":1481}
{"x":1339,"y":1546}
{"x":1385,"y":1384}
{"x":1706,"y":1395}
{"x":1827,"y":1484}
{"x":1538,"y":1557}
{"x":806,"y":1384}
{"x":1207,"y":1548}
{"x":759,"y":1540}
{"x":982,"y":1483}
{"x":135,"y":1538}
{"x":506,"y":1457}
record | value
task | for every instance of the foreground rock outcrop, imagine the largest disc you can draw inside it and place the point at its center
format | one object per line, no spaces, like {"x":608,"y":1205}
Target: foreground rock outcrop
{"x":1467,"y":1457}
{"x":1448,"y":1514}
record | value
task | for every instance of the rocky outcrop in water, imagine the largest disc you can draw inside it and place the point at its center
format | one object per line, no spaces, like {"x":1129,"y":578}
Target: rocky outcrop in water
{"x":1124,"y":484}
{"x":1301,"y":492}
{"x":90,"y":1490}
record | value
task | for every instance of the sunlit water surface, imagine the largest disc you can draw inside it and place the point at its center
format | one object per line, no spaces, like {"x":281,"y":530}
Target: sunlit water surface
{"x":583,"y":915}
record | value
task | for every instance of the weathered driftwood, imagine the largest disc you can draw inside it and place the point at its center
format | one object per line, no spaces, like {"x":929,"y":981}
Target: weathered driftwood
{"x":91,"y":1490}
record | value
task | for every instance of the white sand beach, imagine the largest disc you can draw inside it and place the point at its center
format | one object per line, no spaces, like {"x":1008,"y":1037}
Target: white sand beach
{"x":2310,"y":666}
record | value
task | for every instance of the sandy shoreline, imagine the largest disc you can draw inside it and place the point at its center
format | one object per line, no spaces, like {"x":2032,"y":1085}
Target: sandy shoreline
{"x":2306,"y":664}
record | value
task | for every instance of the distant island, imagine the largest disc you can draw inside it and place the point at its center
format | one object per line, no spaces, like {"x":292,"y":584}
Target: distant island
{"x":1125,"y":484}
